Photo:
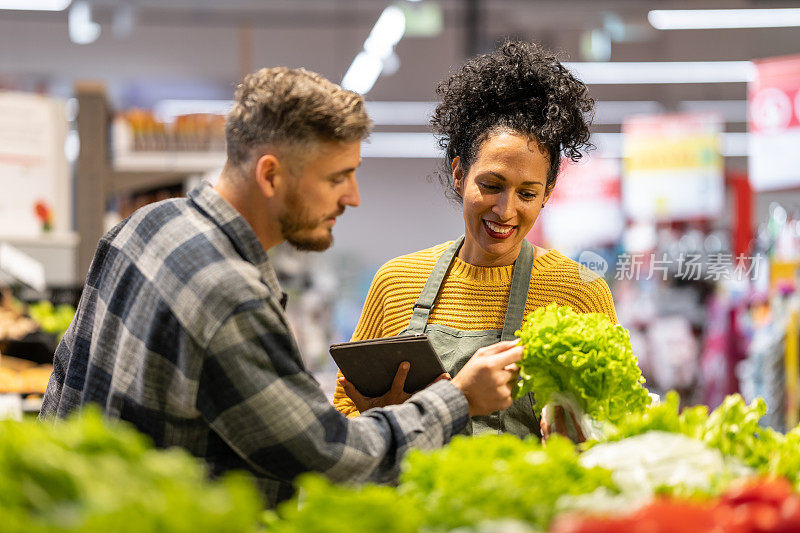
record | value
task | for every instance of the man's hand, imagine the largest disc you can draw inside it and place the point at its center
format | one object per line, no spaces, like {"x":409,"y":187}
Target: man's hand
{"x":396,"y":394}
{"x":487,"y":378}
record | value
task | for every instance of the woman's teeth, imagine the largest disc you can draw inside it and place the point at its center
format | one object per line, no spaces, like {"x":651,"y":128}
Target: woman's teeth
{"x":499,"y":229}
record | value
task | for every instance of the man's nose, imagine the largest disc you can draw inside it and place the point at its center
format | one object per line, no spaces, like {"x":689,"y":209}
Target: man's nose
{"x":351,"y":197}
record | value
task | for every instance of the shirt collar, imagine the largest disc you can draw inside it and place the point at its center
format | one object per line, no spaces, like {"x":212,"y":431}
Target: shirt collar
{"x":244,"y":239}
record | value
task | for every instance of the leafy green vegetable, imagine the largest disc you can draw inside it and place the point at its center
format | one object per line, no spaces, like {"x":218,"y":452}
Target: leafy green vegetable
{"x":476,"y":483}
{"x":582,"y":354}
{"x":326,"y":508}
{"x":88,"y":475}
{"x":52,"y":319}
{"x":497,"y":477}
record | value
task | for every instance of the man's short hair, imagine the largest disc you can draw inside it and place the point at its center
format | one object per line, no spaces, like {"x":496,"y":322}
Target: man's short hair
{"x":291,"y":108}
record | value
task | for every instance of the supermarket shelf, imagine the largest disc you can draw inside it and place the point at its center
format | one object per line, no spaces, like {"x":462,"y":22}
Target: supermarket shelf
{"x":57,"y":252}
{"x":168,"y":162}
{"x":131,"y":181}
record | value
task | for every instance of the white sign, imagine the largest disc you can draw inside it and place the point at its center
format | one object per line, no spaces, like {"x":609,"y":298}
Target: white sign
{"x":33,"y":166}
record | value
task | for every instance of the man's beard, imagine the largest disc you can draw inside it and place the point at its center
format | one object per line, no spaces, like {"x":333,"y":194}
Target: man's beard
{"x":296,"y":221}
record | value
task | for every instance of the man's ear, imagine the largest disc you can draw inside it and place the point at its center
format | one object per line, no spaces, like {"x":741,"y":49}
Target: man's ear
{"x":458,"y":176}
{"x":268,"y":174}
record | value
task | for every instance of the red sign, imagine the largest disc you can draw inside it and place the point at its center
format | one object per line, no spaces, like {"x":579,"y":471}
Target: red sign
{"x":774,"y":124}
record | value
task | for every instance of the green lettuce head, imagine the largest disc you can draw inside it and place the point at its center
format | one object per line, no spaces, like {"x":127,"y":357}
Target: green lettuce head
{"x":583,"y":355}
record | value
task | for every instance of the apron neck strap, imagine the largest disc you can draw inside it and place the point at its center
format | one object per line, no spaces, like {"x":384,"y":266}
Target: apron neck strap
{"x":518,"y":295}
{"x":429,"y":294}
{"x":517,"y":299}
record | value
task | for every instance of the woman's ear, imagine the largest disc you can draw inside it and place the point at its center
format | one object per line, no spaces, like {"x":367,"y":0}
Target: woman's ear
{"x":458,"y":176}
{"x":547,"y":194}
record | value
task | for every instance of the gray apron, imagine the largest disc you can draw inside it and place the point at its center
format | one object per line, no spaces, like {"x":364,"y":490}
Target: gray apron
{"x":455,"y":346}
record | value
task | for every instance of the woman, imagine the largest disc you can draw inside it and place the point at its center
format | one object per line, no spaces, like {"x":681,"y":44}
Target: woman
{"x":505,"y":120}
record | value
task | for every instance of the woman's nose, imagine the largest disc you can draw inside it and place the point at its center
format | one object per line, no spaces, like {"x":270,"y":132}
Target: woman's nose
{"x":504,"y":208}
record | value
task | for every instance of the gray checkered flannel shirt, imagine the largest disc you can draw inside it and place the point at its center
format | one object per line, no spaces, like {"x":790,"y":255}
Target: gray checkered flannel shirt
{"x":181,"y":330}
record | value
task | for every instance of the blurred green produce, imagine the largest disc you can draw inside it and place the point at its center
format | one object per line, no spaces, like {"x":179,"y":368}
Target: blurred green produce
{"x":91,"y":476}
{"x":469,"y":483}
{"x":52,"y":319}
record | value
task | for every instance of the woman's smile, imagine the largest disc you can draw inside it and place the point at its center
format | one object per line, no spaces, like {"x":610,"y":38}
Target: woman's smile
{"x":497,"y":230}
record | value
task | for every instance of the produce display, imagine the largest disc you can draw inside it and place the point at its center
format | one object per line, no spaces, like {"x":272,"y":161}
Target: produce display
{"x":686,"y":472}
{"x":651,"y":468}
{"x":88,"y":475}
{"x":19,"y":376}
{"x":54,"y":320}
{"x":14,"y":324}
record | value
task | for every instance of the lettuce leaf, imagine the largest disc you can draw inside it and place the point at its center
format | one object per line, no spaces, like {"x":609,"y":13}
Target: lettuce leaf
{"x":492,"y":477}
{"x":582,"y":354}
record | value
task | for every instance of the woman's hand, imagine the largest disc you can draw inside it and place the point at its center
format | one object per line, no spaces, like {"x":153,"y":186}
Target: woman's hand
{"x":560,"y":424}
{"x":396,"y":394}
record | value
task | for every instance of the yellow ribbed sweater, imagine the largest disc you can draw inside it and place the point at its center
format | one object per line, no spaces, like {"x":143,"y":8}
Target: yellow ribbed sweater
{"x":471,"y":298}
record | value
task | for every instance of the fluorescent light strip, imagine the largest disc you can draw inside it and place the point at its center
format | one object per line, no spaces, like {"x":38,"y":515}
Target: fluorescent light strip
{"x":730,"y":110}
{"x":424,"y":145}
{"x":367,"y":66}
{"x":35,"y":5}
{"x":663,"y":72}
{"x":168,"y":110}
{"x":614,"y":112}
{"x":697,"y":19}
{"x":401,"y":145}
{"x":386,"y":113}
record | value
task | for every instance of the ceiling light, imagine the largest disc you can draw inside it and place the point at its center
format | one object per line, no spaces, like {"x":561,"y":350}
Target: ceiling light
{"x":168,"y":110}
{"x":363,"y":73}
{"x":663,"y":72}
{"x":400,"y":113}
{"x":82,"y":30}
{"x":696,"y":19}
{"x":615,"y":112}
{"x":35,"y":5}
{"x":378,"y":48}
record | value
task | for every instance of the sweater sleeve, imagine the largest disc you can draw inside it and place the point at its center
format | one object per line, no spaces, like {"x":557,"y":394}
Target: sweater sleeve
{"x":370,"y":326}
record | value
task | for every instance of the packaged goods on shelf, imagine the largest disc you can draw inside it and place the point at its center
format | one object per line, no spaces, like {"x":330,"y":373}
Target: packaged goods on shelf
{"x":141,"y":131}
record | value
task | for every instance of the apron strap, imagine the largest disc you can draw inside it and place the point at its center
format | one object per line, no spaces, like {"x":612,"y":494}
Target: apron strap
{"x":429,"y":294}
{"x":518,"y":296}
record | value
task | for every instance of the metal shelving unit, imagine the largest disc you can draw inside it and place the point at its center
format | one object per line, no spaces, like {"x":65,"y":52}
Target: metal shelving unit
{"x":100,"y":174}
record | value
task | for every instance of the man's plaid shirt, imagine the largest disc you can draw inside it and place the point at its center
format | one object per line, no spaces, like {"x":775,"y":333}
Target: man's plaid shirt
{"x":181,"y":331}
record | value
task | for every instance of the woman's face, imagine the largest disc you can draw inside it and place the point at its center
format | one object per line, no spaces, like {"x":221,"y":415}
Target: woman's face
{"x":503,"y":192}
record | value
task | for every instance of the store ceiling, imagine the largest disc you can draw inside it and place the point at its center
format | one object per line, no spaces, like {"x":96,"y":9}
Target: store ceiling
{"x":199,"y":48}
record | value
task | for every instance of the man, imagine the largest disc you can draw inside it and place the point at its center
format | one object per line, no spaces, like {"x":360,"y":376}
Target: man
{"x":181,"y":328}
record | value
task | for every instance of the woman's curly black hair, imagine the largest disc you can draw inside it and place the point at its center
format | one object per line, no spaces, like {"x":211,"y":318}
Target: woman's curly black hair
{"x":522,"y":88}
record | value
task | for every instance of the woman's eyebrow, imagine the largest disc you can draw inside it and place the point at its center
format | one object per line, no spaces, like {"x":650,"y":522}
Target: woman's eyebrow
{"x":524,"y":183}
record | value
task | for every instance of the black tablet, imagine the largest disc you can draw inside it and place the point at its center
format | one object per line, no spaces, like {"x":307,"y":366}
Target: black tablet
{"x":371,"y":364}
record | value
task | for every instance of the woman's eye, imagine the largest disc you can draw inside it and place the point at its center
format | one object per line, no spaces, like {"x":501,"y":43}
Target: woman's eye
{"x":527,"y":195}
{"x":490,"y":187}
